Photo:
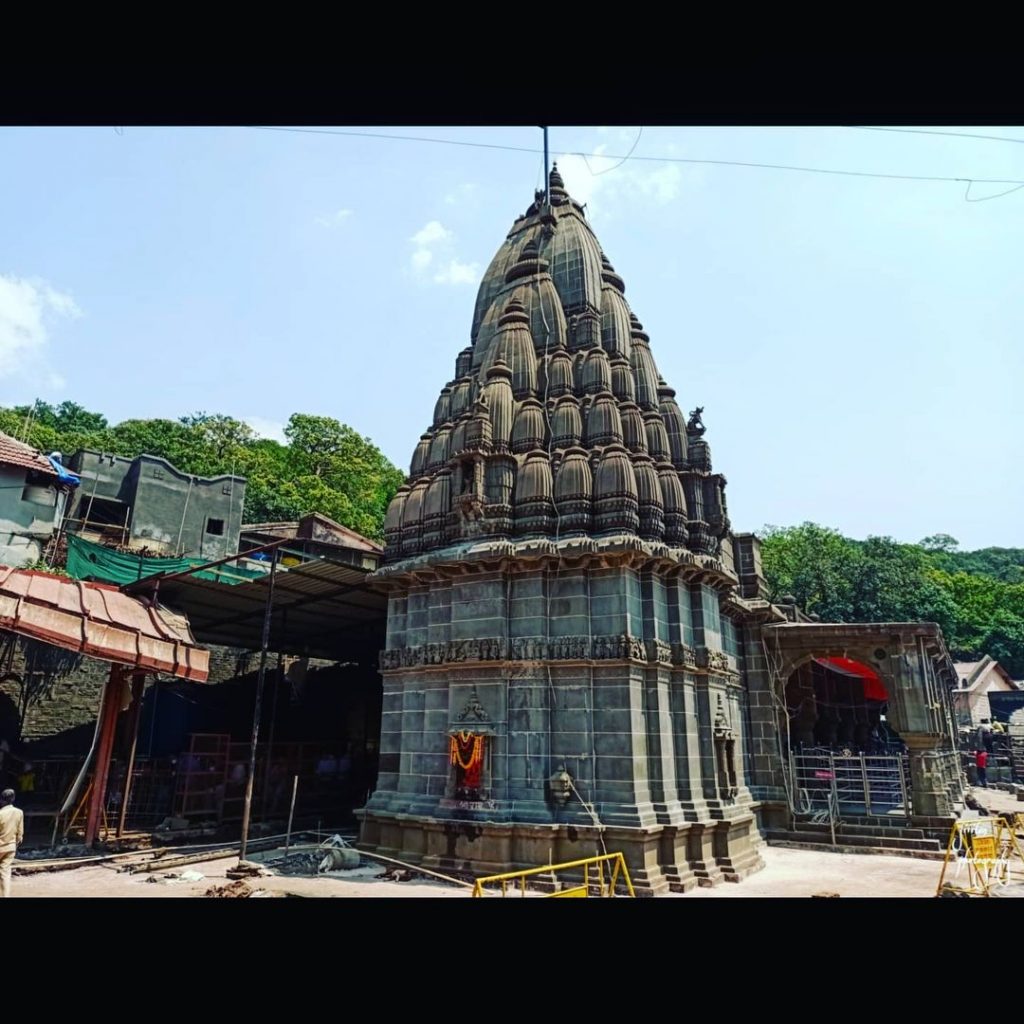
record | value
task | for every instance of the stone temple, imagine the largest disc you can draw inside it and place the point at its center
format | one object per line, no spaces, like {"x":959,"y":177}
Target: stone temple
{"x":576,"y":656}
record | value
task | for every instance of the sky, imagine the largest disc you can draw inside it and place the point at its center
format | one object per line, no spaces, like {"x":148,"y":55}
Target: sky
{"x":855,"y":341}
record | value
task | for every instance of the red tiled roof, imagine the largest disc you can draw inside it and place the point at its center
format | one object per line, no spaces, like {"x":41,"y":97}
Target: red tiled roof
{"x":99,"y":621}
{"x":14,"y":453}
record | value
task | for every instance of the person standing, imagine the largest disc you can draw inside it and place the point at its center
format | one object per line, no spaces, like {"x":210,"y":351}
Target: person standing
{"x":12,"y":832}
{"x":986,"y":738}
{"x":981,"y":763}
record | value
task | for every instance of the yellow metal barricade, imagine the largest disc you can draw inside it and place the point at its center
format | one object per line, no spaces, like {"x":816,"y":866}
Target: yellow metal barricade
{"x":985,"y":848}
{"x":594,"y":871}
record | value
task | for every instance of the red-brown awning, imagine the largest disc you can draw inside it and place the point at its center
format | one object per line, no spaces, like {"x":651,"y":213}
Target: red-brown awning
{"x":99,"y":621}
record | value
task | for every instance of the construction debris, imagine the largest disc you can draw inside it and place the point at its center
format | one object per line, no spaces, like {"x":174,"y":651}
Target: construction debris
{"x":235,"y":890}
{"x":396,"y":874}
{"x":246,"y":869}
{"x":333,"y":854}
{"x":174,"y":877}
{"x":172,"y":825}
{"x":337,"y":855}
{"x":971,"y":801}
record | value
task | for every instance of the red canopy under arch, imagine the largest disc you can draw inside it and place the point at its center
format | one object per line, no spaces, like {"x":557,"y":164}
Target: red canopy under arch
{"x":874,"y":688}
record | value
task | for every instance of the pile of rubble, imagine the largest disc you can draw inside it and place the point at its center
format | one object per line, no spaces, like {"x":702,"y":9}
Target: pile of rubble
{"x":239,"y":890}
{"x":334,"y":854}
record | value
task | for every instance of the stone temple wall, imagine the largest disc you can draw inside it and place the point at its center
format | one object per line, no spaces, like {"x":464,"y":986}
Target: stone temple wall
{"x":615,"y":671}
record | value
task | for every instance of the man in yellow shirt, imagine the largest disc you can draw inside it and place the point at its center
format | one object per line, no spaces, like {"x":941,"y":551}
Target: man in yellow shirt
{"x":12,"y":832}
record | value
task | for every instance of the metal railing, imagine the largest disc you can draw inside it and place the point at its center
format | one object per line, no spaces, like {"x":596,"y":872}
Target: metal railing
{"x":857,"y":784}
{"x":578,"y":888}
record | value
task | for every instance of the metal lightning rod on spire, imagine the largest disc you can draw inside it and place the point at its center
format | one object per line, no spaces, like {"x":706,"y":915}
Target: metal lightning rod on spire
{"x":547,"y":168}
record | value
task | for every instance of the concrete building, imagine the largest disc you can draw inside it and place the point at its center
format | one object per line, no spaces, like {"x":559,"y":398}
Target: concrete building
{"x":579,"y":650}
{"x":975,"y":681}
{"x":32,"y":502}
{"x":146,"y":504}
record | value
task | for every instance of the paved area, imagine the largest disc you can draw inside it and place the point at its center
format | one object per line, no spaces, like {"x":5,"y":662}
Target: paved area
{"x":787,"y":873}
{"x":800,"y":873}
{"x":807,"y":872}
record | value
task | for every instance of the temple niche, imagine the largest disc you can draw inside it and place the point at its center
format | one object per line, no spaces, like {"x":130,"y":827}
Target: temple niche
{"x":563,"y":664}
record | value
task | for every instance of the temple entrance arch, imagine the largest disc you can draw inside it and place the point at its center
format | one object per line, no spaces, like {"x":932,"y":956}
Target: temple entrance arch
{"x":844,"y":758}
{"x":830,"y":680}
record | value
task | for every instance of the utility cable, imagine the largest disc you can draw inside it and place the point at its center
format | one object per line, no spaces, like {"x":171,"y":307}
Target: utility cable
{"x":933,"y":131}
{"x":597,"y":174}
{"x":959,"y":179}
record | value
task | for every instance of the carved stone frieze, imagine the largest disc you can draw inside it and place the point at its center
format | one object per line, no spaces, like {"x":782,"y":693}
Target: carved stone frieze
{"x":565,"y":648}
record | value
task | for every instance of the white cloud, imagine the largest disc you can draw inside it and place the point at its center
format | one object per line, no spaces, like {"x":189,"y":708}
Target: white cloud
{"x":662,"y":185}
{"x":605,"y":181}
{"x":457,"y":273}
{"x":334,"y":220}
{"x":28,"y":309}
{"x":430,"y":234}
{"x":578,"y":174}
{"x":435,"y":240}
{"x":272,"y":430}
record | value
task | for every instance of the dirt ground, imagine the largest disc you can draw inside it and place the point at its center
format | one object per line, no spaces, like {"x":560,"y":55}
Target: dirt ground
{"x":788,"y":873}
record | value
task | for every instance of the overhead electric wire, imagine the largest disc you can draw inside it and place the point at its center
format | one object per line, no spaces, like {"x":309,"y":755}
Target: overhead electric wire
{"x":935,"y":131}
{"x":632,"y":150}
{"x":960,"y":179}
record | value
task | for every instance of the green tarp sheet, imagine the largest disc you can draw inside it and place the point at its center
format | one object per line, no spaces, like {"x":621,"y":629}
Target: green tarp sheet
{"x":93,"y":561}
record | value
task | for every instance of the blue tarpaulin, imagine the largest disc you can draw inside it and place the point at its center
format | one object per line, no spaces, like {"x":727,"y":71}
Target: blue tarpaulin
{"x":64,"y":476}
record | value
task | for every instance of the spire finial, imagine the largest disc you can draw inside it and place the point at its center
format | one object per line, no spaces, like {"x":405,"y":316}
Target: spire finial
{"x":547,"y":186}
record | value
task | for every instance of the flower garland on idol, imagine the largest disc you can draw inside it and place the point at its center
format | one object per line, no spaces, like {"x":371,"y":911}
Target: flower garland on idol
{"x":466,"y":749}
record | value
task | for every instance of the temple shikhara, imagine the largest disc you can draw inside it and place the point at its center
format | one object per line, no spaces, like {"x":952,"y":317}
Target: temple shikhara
{"x":579,"y":650}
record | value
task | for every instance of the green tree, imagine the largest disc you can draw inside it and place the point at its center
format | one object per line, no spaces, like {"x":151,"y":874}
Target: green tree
{"x":940,"y":542}
{"x":815,"y":565}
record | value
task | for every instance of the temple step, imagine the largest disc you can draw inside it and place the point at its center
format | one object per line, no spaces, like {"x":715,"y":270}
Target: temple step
{"x":819,"y":838}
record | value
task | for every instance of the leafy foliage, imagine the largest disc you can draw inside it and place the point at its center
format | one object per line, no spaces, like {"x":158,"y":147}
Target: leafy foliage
{"x":977,"y":597}
{"x":325,"y":467}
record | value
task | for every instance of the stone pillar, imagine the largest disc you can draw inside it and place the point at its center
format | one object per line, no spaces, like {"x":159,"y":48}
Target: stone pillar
{"x":930,"y":797}
{"x":768,"y":780}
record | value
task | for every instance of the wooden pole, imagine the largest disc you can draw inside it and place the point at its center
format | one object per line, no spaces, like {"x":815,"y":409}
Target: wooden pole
{"x":138,"y":687}
{"x":247,"y":808}
{"x":109,"y":712}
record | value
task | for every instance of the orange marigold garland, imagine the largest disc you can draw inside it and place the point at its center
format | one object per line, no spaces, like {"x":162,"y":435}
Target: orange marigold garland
{"x":466,"y":751}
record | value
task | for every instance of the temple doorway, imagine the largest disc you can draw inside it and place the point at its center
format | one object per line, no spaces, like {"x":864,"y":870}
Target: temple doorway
{"x":844,"y":756}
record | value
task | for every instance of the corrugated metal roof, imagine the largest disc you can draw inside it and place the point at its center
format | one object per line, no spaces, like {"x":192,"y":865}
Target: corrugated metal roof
{"x":99,"y":621}
{"x":14,"y":453}
{"x":319,"y":607}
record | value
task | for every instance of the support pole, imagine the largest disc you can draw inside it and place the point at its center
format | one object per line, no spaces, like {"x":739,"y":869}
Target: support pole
{"x":291,"y":814}
{"x":109,"y":712}
{"x":138,"y":687}
{"x":246,"y":810}
{"x":270,"y":737}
